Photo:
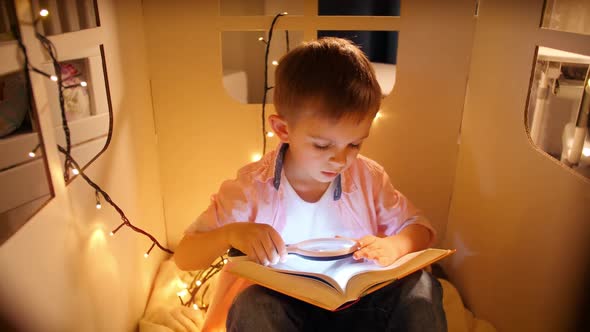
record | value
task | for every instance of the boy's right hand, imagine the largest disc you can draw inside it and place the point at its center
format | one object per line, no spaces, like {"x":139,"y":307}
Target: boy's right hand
{"x":260,"y":242}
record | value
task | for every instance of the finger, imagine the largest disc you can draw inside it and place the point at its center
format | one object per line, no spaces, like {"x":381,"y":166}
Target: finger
{"x":362,"y":253}
{"x":269,"y":250}
{"x":279,"y":245}
{"x":369,"y":253}
{"x":366,"y":240}
{"x":183,"y":320}
{"x":260,"y":254}
{"x":251,"y":253}
{"x":374,"y":254}
{"x":384,"y":261}
{"x":174,"y":324}
{"x":191,"y":314}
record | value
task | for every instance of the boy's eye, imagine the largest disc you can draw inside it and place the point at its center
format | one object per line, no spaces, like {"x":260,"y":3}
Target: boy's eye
{"x":355,"y":146}
{"x":321,"y":147}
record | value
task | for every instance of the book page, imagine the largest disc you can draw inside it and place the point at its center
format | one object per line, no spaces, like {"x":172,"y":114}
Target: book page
{"x":359,"y":284}
{"x":322,"y":283}
{"x":337,"y":272}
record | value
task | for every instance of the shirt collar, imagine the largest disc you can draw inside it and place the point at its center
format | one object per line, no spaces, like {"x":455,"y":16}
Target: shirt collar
{"x":273,"y":166}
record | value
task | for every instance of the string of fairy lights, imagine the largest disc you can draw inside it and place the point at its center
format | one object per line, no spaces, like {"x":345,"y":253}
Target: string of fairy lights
{"x":192,"y":292}
{"x":70,"y":164}
{"x":266,"y":133}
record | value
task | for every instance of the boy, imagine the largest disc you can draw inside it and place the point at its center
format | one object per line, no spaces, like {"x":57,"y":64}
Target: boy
{"x":316,"y":185}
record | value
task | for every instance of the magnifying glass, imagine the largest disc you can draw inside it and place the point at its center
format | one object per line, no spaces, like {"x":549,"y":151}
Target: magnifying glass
{"x":322,"y":249}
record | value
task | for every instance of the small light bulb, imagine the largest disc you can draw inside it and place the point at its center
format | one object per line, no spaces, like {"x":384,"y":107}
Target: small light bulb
{"x":146,"y":255}
{"x":182,"y":293}
{"x":44,"y":12}
{"x":275,"y":63}
{"x":285,"y":13}
{"x":198,"y":283}
{"x":98,"y":206}
{"x":586,"y":152}
{"x":75,"y":171}
{"x":83,"y":83}
{"x":111,"y":233}
{"x":256,"y":157}
{"x":260,"y":38}
{"x":270,"y":134}
{"x":53,"y":78}
{"x":32,"y":154}
{"x":195,"y":306}
{"x":225,"y":261}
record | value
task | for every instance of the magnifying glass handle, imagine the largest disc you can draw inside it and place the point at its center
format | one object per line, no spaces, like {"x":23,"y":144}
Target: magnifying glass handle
{"x":233,"y":252}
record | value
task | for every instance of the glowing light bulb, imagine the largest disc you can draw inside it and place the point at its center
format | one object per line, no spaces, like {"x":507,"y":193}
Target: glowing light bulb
{"x":198,"y":283}
{"x":256,"y":157}
{"x":182,"y":293}
{"x":32,"y":154}
{"x":285,"y":13}
{"x":195,"y":306}
{"x":44,"y":12}
{"x":111,"y":233}
{"x":83,"y":83}
{"x":586,"y":152}
{"x":75,"y":171}
{"x":146,"y":255}
{"x":98,"y":206}
{"x":225,"y":261}
{"x":275,"y":63}
{"x":270,"y":134}
{"x":260,"y":38}
{"x":53,"y":78}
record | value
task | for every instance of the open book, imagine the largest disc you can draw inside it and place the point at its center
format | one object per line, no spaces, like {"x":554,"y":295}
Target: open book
{"x":331,"y":284}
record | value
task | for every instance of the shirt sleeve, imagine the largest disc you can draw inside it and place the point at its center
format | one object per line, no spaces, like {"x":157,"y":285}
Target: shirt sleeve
{"x":229,"y":204}
{"x":395,"y":211}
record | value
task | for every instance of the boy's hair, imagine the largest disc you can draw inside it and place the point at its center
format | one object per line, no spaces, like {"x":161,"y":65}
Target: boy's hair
{"x":330,"y":75}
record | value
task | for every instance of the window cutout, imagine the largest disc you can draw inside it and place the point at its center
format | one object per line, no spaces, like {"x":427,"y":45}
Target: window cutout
{"x":7,"y":20}
{"x":86,"y":102}
{"x":26,"y":185}
{"x":67,"y":16}
{"x":567,"y":15}
{"x":381,"y":49}
{"x":243,"y":61}
{"x":260,"y":8}
{"x":558,"y":106}
{"x":359,"y":7}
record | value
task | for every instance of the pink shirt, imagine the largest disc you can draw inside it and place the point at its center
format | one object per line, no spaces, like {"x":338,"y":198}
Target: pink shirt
{"x":364,"y":198}
{"x":364,"y":201}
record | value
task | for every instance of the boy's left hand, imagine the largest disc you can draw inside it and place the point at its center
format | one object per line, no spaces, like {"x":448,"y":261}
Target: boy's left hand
{"x":384,"y":251}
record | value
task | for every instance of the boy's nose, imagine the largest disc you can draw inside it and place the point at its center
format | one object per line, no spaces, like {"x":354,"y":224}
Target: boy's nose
{"x":339,"y":158}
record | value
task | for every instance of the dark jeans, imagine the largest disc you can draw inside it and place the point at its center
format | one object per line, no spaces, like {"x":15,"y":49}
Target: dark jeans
{"x":413,"y":303}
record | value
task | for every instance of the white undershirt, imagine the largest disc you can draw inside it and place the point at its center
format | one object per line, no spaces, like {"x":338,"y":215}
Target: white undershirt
{"x":306,"y":220}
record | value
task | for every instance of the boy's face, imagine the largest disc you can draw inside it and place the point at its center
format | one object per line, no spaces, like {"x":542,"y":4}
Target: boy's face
{"x":320,"y":148}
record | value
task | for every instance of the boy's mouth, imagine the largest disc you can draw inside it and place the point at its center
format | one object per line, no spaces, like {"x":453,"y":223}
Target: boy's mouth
{"x":330,"y":174}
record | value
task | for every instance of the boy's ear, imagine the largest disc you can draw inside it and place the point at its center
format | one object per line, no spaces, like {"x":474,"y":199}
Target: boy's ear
{"x":280,"y":127}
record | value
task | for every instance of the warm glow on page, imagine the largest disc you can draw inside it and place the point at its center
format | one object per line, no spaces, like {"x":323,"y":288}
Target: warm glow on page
{"x":340,"y":270}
